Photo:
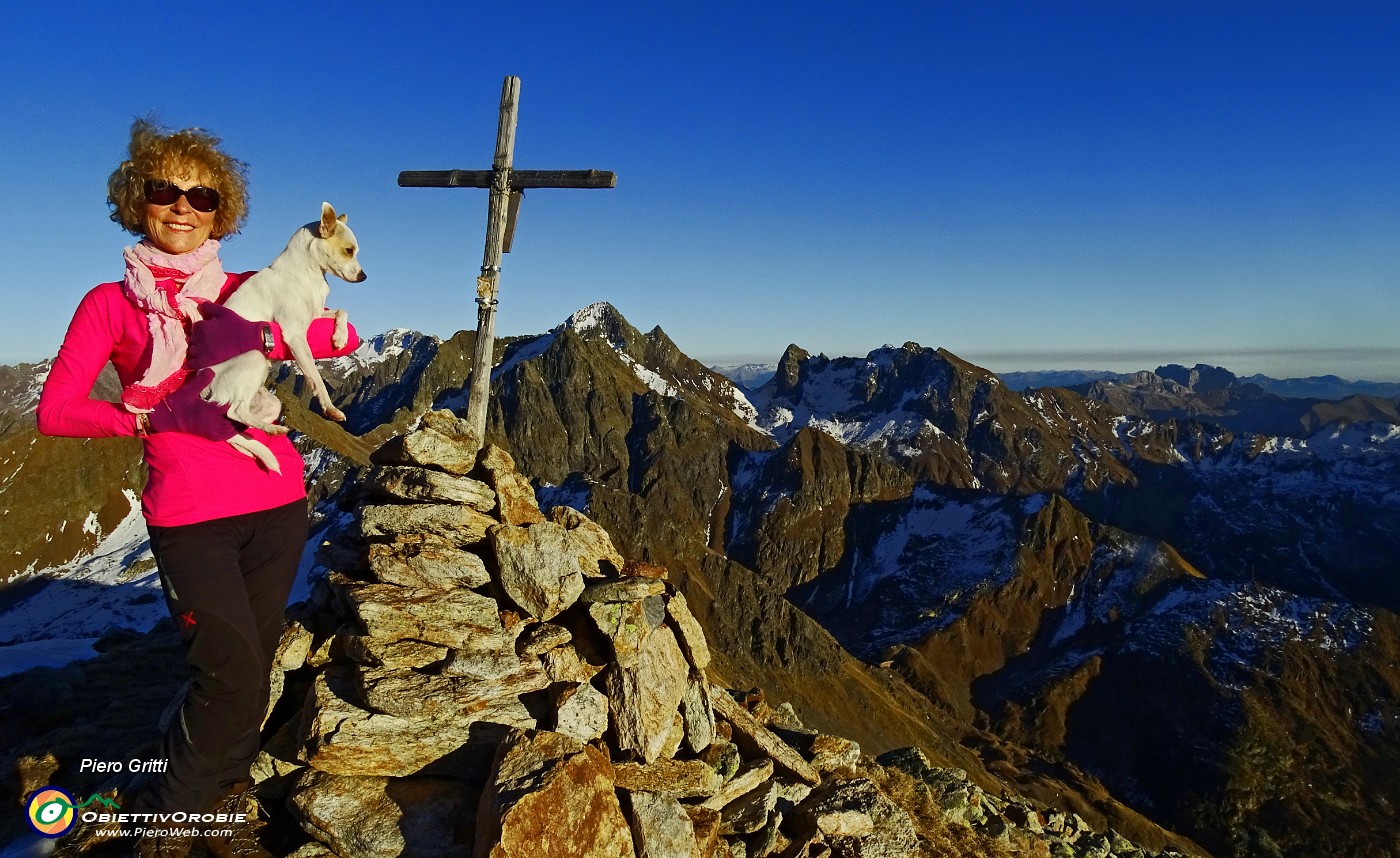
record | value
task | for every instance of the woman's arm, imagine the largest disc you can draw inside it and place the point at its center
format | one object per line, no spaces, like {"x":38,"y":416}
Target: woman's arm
{"x":318,"y":336}
{"x":223,"y":334}
{"x":65,"y":406}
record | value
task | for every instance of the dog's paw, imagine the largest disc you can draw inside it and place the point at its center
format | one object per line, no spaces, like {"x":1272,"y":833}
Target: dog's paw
{"x":277,"y":429}
{"x":340,"y":338}
{"x":334,"y":413}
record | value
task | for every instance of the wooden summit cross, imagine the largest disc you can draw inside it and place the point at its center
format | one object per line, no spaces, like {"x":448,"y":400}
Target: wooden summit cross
{"x":507,"y":186}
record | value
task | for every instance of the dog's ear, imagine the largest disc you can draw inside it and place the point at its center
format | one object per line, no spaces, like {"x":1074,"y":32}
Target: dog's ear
{"x":342,"y":218}
{"x":328,"y":220}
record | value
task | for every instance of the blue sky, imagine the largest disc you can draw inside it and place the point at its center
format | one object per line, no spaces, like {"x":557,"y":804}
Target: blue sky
{"x":1031,"y":185}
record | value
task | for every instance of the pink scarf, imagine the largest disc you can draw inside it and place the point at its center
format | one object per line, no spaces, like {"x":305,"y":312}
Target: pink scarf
{"x":168,"y":308}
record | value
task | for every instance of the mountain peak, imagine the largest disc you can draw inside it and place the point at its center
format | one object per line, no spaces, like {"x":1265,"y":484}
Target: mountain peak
{"x":601,"y":320}
{"x":1201,"y":378}
{"x":599,"y":315}
{"x":789,"y":371}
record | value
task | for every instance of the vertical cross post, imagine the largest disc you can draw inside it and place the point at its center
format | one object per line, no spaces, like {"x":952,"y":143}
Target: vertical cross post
{"x":507,"y":186}
{"x":488,"y":284}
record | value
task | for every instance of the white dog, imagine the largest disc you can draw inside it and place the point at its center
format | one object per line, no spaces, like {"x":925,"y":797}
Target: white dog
{"x":291,"y":292}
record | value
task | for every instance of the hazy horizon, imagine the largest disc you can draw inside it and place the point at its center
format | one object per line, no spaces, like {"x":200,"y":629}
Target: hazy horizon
{"x":1241,"y":363}
{"x":1278,"y":363}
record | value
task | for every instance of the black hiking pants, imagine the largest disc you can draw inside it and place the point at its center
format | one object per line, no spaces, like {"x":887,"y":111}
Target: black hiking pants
{"x":226,"y":584}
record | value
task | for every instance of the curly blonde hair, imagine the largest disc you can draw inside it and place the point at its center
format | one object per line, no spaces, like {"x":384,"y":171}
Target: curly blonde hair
{"x":159,"y":154}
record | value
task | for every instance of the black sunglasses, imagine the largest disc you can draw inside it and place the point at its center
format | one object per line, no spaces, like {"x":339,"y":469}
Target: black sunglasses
{"x":163,"y":193}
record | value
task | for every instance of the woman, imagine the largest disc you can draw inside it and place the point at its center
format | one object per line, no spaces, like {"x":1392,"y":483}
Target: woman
{"x":227,"y":534}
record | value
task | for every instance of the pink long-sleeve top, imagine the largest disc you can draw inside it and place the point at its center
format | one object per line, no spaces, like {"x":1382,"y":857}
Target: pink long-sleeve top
{"x":190,"y":478}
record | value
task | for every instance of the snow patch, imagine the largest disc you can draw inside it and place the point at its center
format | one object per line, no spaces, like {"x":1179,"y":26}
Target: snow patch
{"x":376,"y":350}
{"x":574,"y":494}
{"x":650,"y":378}
{"x":117,"y":585}
{"x":524,"y":351}
{"x":27,"y":655}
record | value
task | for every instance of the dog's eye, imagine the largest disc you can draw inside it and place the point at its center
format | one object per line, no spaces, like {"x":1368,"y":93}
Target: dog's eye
{"x":349,"y":251}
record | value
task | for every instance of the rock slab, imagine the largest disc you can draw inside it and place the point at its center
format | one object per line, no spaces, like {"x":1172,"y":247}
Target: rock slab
{"x":551,"y":796}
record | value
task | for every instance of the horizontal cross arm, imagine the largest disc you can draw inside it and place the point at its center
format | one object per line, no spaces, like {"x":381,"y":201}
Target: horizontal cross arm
{"x":519,"y":179}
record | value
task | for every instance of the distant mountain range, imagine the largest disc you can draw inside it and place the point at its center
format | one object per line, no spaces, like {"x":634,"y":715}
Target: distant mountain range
{"x":749,"y":376}
{"x":1216,"y":395}
{"x":1313,"y":387}
{"x":1126,"y":596}
{"x":754,"y":375}
{"x":1295,"y":407}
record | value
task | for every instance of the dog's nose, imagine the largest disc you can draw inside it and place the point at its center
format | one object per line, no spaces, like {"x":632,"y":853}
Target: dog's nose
{"x":363,"y":276}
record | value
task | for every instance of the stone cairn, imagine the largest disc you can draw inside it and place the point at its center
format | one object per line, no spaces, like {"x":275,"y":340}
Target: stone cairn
{"x":476,"y":679}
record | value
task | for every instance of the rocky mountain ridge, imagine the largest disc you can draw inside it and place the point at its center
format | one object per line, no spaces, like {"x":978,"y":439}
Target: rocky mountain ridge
{"x":1071,"y":504}
{"x":475,"y":678}
{"x":58,"y":497}
{"x":1217,"y":395}
{"x":786,"y":512}
{"x":1327,"y":387}
{"x":952,"y":423}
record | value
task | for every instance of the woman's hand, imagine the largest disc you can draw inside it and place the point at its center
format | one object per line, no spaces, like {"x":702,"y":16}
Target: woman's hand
{"x":184,"y":411}
{"x":224,"y":334}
